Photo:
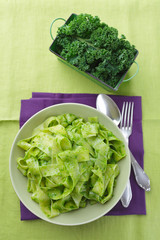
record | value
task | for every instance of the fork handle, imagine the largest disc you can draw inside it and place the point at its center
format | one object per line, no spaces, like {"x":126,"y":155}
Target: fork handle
{"x":140,"y":176}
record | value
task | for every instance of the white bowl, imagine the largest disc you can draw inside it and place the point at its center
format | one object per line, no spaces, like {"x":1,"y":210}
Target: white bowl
{"x":83,"y":215}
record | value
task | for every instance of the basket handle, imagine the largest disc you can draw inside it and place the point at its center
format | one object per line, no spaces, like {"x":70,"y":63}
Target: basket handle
{"x":52,"y":25}
{"x":126,"y":80}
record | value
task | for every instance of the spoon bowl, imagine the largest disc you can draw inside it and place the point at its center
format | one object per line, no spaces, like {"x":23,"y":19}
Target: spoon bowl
{"x":107,"y":106}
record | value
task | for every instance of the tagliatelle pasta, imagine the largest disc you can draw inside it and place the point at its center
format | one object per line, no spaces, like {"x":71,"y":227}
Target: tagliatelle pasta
{"x":69,"y":162}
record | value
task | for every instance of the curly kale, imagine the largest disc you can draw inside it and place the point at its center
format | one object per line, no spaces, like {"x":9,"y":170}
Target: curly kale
{"x":74,"y":53}
{"x":82,"y":26}
{"x":106,"y":37}
{"x":94,"y":47}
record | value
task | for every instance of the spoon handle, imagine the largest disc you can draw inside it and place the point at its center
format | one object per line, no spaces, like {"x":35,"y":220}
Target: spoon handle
{"x":140,"y":176}
{"x":127,"y":195}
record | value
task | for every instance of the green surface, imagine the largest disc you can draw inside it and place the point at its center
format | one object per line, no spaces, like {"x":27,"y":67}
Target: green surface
{"x":27,"y":65}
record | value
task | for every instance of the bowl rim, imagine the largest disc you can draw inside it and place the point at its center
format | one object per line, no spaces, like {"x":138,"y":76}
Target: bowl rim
{"x":14,"y":144}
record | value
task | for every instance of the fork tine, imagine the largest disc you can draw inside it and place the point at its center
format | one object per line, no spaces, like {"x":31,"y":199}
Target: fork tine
{"x":123,"y":107}
{"x":132,"y":115}
{"x":128,"y":115}
{"x":125,"y":114}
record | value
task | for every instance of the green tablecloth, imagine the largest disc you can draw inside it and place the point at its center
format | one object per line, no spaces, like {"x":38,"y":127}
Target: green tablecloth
{"x":26,"y":65}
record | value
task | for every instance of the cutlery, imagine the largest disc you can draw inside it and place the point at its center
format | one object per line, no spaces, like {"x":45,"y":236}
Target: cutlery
{"x":107,"y":106}
{"x":126,"y":128}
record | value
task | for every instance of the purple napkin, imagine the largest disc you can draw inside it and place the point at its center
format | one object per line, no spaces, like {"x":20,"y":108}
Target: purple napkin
{"x":43,"y":100}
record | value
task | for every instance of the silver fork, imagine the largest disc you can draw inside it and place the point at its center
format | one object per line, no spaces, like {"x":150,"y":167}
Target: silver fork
{"x":127,"y":119}
{"x":126,"y":128}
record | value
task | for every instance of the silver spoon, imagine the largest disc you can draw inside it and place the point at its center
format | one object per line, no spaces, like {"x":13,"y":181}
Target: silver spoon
{"x":107,"y":106}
